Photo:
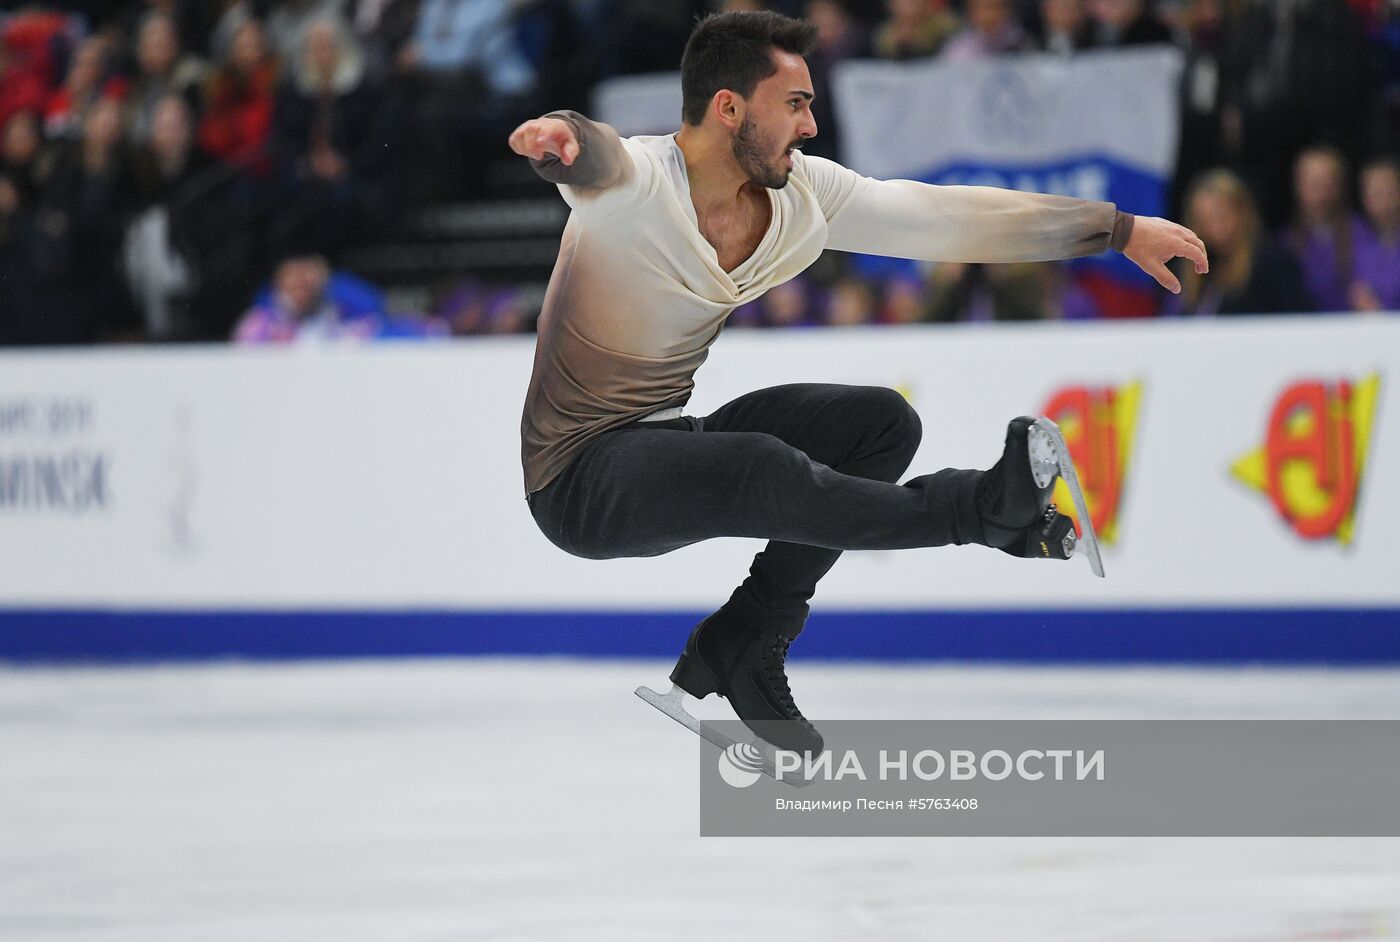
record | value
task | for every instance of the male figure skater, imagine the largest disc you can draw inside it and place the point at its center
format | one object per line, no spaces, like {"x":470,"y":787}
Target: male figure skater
{"x":667,"y":236}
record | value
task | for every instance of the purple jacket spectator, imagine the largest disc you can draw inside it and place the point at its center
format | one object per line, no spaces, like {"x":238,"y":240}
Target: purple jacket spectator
{"x":1377,"y":270}
{"x":1376,"y":266}
{"x":1327,"y":258}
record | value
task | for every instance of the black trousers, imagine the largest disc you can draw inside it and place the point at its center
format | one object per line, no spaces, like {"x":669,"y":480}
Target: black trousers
{"x":811,"y":468}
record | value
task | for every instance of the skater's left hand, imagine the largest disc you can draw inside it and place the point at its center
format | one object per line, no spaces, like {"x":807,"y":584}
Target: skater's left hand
{"x":1155,"y":242}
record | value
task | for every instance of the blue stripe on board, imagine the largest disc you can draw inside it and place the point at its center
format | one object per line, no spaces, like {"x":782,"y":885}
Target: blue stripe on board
{"x":1273,"y":636}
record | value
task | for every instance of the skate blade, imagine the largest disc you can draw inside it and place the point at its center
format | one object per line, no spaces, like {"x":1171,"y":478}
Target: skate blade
{"x":671,"y":704}
{"x":1087,"y":539}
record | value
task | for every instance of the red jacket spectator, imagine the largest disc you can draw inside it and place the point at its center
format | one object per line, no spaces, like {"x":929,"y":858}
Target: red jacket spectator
{"x":87,"y":82}
{"x":240,"y":102}
{"x":27,"y":71}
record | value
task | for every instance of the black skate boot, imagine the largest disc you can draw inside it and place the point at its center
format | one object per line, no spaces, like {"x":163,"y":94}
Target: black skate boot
{"x":745,"y":666}
{"x":1013,"y":499}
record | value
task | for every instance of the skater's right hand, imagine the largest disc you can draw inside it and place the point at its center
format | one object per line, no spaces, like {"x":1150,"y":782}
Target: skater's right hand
{"x":545,"y":136}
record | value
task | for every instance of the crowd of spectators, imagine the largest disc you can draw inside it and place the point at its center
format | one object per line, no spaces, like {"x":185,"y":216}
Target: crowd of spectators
{"x":195,"y":169}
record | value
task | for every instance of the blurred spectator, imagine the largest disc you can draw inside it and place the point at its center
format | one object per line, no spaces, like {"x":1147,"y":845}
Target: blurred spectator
{"x":1065,"y":296}
{"x":473,"y":39}
{"x":187,"y":249}
{"x":20,"y":143}
{"x":507,"y":313}
{"x":1028,"y":291}
{"x":992,"y":30}
{"x":915,"y":29}
{"x":301,"y":307}
{"x":463,"y":307}
{"x":385,"y":30}
{"x":470,"y":79}
{"x":89,"y":184}
{"x":904,"y":301}
{"x":1064,"y":27}
{"x":1126,"y":23}
{"x":838,"y":38}
{"x":87,"y":83}
{"x":851,"y":302}
{"x":332,"y":141}
{"x":472,"y":307}
{"x":1324,"y":232}
{"x":1200,"y":149}
{"x":1248,"y":274}
{"x":162,"y":69}
{"x":1377,"y":251}
{"x":239,"y":102}
{"x":308,"y":302}
{"x":194,"y":20}
{"x":28,"y":41}
{"x":1292,"y":73}
{"x":289,"y":20}
{"x":793,"y":303}
{"x":40,"y":304}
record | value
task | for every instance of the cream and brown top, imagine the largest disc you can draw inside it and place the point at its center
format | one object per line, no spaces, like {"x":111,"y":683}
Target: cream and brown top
{"x":638,"y":295}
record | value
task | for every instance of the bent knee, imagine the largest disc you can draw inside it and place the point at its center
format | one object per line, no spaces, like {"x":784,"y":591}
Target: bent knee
{"x":896,"y":415}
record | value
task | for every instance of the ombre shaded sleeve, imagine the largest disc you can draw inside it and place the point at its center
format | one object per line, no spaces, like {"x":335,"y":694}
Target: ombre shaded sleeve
{"x":602,"y":162}
{"x":907,"y":219}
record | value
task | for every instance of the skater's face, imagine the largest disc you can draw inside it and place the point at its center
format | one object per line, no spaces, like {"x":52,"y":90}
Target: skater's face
{"x":774,"y":121}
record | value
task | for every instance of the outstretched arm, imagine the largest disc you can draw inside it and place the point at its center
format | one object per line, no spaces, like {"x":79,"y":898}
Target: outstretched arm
{"x":907,"y":219}
{"x":566,"y":148}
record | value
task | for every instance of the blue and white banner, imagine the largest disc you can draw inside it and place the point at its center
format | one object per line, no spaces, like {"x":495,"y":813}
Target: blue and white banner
{"x":1098,"y":126}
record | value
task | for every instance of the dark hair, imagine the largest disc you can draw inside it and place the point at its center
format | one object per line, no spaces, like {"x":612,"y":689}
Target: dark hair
{"x":735,"y":51}
{"x":1383,"y":162}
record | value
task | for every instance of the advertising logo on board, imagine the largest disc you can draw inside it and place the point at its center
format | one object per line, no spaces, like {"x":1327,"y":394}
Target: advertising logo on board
{"x":1099,"y":424}
{"x":1314,"y":452}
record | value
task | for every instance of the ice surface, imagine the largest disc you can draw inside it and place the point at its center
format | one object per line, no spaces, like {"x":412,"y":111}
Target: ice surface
{"x":541,"y":800}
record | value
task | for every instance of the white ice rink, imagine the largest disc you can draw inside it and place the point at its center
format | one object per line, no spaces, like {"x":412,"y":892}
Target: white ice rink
{"x":539,"y":800}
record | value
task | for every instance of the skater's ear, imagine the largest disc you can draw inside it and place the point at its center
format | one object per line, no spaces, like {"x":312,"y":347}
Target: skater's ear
{"x":728,"y":107}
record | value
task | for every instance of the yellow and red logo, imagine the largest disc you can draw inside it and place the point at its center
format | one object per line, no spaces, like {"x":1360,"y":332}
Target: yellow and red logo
{"x":1313,"y":454}
{"x":1098,"y":423}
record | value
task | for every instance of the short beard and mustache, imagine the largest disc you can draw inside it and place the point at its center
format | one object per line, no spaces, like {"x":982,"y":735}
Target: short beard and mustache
{"x":750,"y":152}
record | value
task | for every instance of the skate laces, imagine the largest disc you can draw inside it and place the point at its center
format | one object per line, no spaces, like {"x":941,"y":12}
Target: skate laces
{"x":772,"y":663}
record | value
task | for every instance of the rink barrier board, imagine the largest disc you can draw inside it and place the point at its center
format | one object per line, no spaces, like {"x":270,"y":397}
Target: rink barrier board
{"x":1292,"y":636}
{"x":367,"y":501}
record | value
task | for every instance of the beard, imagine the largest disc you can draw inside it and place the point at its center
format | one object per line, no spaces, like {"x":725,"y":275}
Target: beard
{"x":751,"y":151}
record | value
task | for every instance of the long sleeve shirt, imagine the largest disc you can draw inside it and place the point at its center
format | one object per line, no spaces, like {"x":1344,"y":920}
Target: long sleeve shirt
{"x":638,"y":295}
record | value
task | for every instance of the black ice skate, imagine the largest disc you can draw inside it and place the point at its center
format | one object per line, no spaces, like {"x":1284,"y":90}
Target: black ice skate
{"x":1013,"y":498}
{"x":746,"y":667}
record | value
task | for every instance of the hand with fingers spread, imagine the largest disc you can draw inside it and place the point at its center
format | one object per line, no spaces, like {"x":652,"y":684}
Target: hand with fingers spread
{"x":543,"y":137}
{"x":1155,"y":242}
